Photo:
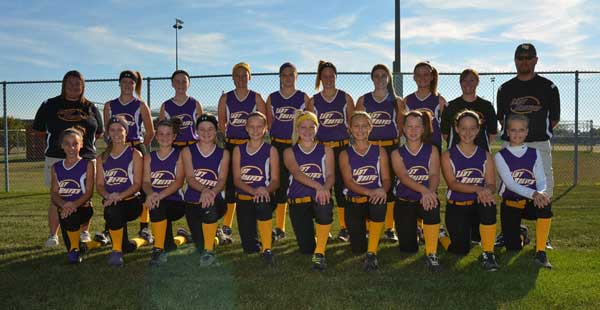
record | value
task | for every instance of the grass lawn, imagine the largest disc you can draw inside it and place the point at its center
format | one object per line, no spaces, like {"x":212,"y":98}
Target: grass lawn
{"x":35,"y":277}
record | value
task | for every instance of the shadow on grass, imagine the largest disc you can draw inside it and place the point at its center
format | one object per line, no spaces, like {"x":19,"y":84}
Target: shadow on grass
{"x":6,"y":196}
{"x":564,"y":193}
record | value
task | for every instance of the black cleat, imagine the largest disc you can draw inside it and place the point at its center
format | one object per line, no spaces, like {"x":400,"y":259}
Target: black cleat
{"x":433,"y":263}
{"x":541,"y":259}
{"x":389,"y":236}
{"x":489,"y":262}
{"x":278,"y":234}
{"x":370,"y":263}
{"x":74,"y":257}
{"x":549,"y":245}
{"x":344,"y":236}
{"x":318,"y":262}
{"x":185,"y":234}
{"x":225,"y":235}
{"x":420,"y":236}
{"x":146,"y":234}
{"x":524,"y":231}
{"x":499,"y":241}
{"x":268,"y":257}
{"x":102,"y":237}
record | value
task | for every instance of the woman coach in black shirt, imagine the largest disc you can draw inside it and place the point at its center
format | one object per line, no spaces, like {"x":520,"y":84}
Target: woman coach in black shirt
{"x":69,"y":109}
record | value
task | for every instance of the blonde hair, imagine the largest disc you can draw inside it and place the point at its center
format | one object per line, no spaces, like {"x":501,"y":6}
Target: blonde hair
{"x":300,"y":116}
{"x":364,"y":114}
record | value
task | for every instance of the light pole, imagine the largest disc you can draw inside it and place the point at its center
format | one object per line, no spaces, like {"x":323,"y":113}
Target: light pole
{"x":177,"y":26}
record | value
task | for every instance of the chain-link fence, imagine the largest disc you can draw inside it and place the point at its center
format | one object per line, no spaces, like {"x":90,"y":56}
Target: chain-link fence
{"x":575,"y":145}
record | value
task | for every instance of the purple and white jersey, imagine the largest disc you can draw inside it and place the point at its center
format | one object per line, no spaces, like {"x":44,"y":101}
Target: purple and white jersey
{"x":432,"y":104}
{"x":255,"y":169}
{"x":237,"y":114}
{"x":187,"y":114}
{"x":206,"y":170}
{"x":118,"y":171}
{"x":312,"y":164}
{"x":131,"y":111}
{"x":283,"y":110}
{"x":417,"y":166}
{"x":71,"y":181}
{"x":366,"y":168}
{"x":384,"y":115}
{"x":522,"y":171}
{"x":163,"y":172}
{"x":467,"y":170}
{"x":332,"y":117}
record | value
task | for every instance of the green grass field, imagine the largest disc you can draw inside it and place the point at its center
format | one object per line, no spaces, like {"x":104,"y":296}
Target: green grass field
{"x":35,"y":277}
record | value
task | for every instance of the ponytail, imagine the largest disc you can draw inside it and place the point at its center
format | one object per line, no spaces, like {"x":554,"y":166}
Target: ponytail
{"x":426,"y":118}
{"x":390,"y":86}
{"x":322,"y":65}
{"x":434,"y":75}
{"x":138,"y":84}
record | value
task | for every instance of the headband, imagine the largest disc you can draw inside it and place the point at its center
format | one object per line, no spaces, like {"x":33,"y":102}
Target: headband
{"x":242,"y":65}
{"x":207,"y":118}
{"x":307,"y":116}
{"x":128,"y":74}
{"x":118,"y":120}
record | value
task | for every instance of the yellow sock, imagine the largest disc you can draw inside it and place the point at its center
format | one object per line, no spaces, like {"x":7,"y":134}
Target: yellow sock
{"x":322,"y":237}
{"x":139,"y":242}
{"x":280,"y":215}
{"x":341,"y":217}
{"x":228,"y":219}
{"x":430,"y":233}
{"x":209,"y":231}
{"x":73,"y":239}
{"x":445,"y":242}
{"x":488,"y":236}
{"x":159,"y":229}
{"x":389,"y":216}
{"x":542,"y":229}
{"x":179,"y":240}
{"x":145,"y":216}
{"x":375,"y":229}
{"x":265,"y":231}
{"x":93,"y":245}
{"x":116,"y":237}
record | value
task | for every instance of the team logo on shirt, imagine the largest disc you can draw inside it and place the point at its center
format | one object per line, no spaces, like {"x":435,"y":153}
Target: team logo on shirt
{"x":365,"y":175}
{"x":525,"y":105}
{"x":252,"y":174}
{"x":162,"y":178}
{"x":128,"y":117}
{"x":331,"y":119}
{"x":523,"y":177}
{"x":312,"y":171}
{"x":238,"y":119}
{"x":186,"y":121}
{"x":470,"y":176}
{"x":419,"y":174}
{"x":206,"y":177}
{"x":68,"y":188}
{"x":285,"y":114}
{"x":381,"y":118}
{"x":72,"y":115}
{"x":115,"y":176}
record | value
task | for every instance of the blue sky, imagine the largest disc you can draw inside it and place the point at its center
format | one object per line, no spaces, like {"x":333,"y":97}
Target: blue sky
{"x":44,"y":39}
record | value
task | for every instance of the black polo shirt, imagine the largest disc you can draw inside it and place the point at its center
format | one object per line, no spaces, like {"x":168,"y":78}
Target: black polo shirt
{"x":486,"y":112}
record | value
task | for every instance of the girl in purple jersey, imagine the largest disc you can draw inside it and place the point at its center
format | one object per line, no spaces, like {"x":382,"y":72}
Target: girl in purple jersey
{"x":471,"y":178}
{"x":118,"y":182}
{"x":163,"y":179}
{"x":311,"y":167}
{"x":256,"y":178}
{"x":206,"y":169}
{"x":234,"y":108}
{"x":387,"y":110}
{"x":71,"y":190}
{"x":281,"y":106}
{"x":523,"y":190}
{"x":333,"y":108}
{"x":365,"y":172}
{"x":182,"y":106}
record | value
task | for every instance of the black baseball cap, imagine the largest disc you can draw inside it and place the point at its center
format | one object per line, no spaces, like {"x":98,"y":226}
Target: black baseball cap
{"x":526,"y":48}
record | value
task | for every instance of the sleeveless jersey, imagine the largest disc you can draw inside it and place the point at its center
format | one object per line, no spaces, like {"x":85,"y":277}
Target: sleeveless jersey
{"x":366,"y":169}
{"x":187,"y":114}
{"x":255,"y":169}
{"x":432,"y":104}
{"x":237,"y":114}
{"x":118,"y":171}
{"x":312,"y":164}
{"x":417,"y":166}
{"x":132,"y":113}
{"x":332,"y":117}
{"x":283,"y":113}
{"x":71,"y":181}
{"x":384,"y":117}
{"x":206,"y":170}
{"x":467,"y":170}
{"x":521,"y":169}
{"x":163,"y":171}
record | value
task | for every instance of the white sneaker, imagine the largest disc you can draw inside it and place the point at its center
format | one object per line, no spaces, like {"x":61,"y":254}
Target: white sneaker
{"x":52,"y":241}
{"x":85,"y":236}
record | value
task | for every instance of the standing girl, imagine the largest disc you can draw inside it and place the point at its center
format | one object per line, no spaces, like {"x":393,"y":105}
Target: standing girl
{"x":365,"y":172}
{"x":311,"y":166}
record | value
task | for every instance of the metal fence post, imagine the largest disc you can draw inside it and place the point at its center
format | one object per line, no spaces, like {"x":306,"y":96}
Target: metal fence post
{"x":6,"y":180}
{"x":148,"y":91}
{"x":576,"y":155}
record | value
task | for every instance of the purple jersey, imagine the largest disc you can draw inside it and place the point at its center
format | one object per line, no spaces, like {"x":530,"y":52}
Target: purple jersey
{"x":118,"y":171}
{"x":131,"y":111}
{"x":467,"y":170}
{"x":206,"y":170}
{"x":254,"y":168}
{"x":383,"y":114}
{"x":163,"y":172}
{"x":431,"y":104}
{"x":417,"y":166}
{"x":521,"y":169}
{"x":312,"y":164}
{"x":237,"y":114}
{"x":187,"y":114}
{"x":71,"y":181}
{"x":332,"y":117}
{"x":283,"y":110}
{"x":365,"y":168}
